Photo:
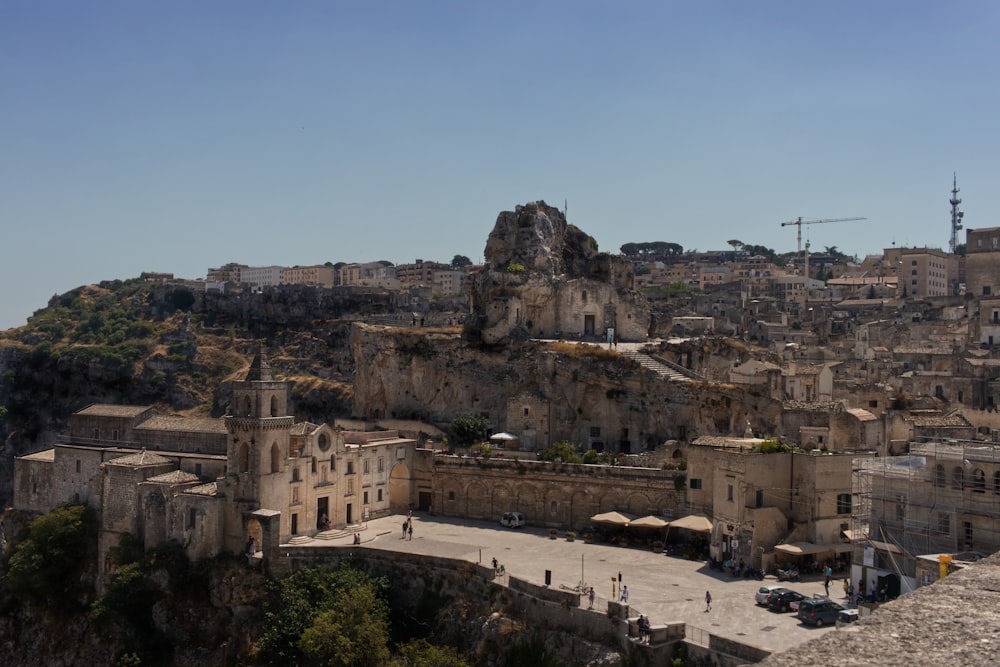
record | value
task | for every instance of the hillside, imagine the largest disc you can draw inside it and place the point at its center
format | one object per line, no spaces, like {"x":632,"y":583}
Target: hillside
{"x":167,"y":345}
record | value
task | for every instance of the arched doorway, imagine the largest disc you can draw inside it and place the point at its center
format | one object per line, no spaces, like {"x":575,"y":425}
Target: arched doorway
{"x":399,"y":488}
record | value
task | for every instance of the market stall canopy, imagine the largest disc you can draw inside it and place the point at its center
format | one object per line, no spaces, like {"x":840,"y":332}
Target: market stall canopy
{"x":651,"y":521}
{"x":613,"y":518}
{"x":503,"y":436}
{"x":695,"y":522}
{"x":806,"y":548}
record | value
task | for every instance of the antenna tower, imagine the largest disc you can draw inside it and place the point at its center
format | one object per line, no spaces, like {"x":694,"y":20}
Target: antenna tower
{"x":956,"y":215}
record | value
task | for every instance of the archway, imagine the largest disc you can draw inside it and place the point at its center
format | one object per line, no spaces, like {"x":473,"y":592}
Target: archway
{"x":399,"y":488}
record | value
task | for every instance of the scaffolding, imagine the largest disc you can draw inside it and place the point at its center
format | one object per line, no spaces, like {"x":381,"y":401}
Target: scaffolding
{"x":940,"y":498}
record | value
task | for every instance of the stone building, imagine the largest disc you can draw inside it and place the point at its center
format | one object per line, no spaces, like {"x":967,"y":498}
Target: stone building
{"x":211,"y":484}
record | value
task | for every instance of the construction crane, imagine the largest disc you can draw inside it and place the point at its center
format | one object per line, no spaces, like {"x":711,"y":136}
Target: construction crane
{"x":798,"y":222}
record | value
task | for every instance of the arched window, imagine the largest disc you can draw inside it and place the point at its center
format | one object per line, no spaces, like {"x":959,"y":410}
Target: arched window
{"x":275,"y":458}
{"x":247,"y":412}
{"x":939,"y":476}
{"x":243,"y":458}
{"x":979,"y":481}
{"x":957,"y":477}
{"x":553,"y":508}
{"x":323,"y":442}
{"x":274,"y":406}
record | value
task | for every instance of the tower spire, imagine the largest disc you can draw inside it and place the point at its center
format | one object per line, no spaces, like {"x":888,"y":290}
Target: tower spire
{"x":956,"y":215}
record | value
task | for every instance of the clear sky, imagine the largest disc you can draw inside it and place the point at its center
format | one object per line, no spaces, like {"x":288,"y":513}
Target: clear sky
{"x":177,"y":136}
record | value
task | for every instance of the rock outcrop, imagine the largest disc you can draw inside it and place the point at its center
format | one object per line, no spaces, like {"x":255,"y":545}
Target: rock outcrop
{"x":544,"y":277}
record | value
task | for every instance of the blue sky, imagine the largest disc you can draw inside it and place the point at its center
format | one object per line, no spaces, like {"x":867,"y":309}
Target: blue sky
{"x":177,"y":136}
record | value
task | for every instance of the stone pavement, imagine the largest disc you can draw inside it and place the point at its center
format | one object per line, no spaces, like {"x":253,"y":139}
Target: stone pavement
{"x":664,"y":588}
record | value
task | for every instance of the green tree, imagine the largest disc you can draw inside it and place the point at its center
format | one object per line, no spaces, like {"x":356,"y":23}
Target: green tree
{"x":458,"y":261}
{"x":297,"y":600}
{"x":468,"y":429}
{"x":562,"y":450}
{"x":354,"y":633}
{"x":46,"y":565}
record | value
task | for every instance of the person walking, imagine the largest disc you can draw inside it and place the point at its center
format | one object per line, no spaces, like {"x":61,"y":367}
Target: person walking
{"x":624,"y":595}
{"x":406,"y":523}
{"x":708,"y":601}
{"x":411,"y":531}
{"x":590,"y":596}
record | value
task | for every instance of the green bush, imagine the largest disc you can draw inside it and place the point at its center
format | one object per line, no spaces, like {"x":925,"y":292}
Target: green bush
{"x":47,"y":564}
{"x":562,"y":450}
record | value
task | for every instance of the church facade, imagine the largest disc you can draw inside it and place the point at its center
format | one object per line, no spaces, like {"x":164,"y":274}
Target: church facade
{"x":253,"y":479}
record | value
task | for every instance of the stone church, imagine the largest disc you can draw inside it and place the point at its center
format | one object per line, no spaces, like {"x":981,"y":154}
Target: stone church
{"x":213,"y":484}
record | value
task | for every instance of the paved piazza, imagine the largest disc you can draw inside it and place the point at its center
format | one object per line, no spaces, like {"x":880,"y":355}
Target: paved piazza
{"x":664,"y":588}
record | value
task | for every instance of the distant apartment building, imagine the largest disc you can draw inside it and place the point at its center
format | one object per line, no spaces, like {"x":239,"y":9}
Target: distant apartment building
{"x":982,"y":262}
{"x":419,"y":273}
{"x":228,"y":273}
{"x":369,"y":274}
{"x":923,"y":272}
{"x":262,"y":276}
{"x":713,"y":275}
{"x":445,"y":283}
{"x":316,"y":276}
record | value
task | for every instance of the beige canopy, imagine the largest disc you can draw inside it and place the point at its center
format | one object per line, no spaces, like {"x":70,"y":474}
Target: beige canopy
{"x":613,"y":518}
{"x":650,"y":521}
{"x":805,"y":548}
{"x":695,"y":522}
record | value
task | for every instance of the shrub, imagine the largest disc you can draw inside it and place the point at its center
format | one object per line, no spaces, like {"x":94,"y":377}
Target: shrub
{"x":46,"y":565}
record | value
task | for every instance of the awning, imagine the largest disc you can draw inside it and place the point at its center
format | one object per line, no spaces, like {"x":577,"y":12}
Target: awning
{"x":651,"y":521}
{"x":613,"y":518}
{"x":802,"y":548}
{"x":848,"y":534}
{"x":695,"y":522}
{"x":885,"y":546}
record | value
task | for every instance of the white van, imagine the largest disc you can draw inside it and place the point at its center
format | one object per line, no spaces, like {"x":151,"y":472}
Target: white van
{"x":512,"y":520}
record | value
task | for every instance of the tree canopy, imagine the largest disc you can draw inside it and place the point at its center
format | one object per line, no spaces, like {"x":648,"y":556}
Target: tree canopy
{"x":652,"y":251}
{"x":458,"y":261}
{"x":469,"y":429}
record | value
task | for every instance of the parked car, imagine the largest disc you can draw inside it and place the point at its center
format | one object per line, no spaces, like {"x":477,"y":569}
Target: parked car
{"x":818,"y":612}
{"x":512,"y":520}
{"x":765,"y":591}
{"x":786,"y":600}
{"x":847,"y":616}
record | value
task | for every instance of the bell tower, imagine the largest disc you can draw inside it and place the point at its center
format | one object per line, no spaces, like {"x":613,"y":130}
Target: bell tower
{"x":259,"y":429}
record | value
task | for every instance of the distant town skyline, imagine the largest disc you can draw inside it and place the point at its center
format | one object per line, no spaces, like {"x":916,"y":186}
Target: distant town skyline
{"x":178,"y":137}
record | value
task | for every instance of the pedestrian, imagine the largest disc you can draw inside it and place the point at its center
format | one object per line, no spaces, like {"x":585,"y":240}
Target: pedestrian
{"x":411,"y":531}
{"x":708,"y":601}
{"x":826,"y":586}
{"x":624,"y":595}
{"x":405,"y":525}
{"x":251,"y":546}
{"x":590,"y":596}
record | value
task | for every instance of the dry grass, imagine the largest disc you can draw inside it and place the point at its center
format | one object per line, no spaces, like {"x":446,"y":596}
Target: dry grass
{"x":580,"y":350}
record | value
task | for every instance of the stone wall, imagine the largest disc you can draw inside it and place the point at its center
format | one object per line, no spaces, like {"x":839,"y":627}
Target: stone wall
{"x":548,"y":494}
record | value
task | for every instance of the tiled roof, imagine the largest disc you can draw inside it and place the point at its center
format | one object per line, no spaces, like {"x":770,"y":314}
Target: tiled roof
{"x":174,"y":477}
{"x":140,"y":459}
{"x":862,"y":415}
{"x":183,"y":424}
{"x":940,"y":420}
{"x":209,"y":489}
{"x":814,"y":406}
{"x":108,"y":410}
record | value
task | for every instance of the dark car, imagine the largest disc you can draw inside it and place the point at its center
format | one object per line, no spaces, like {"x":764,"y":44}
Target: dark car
{"x":785,"y":600}
{"x":818,"y":612}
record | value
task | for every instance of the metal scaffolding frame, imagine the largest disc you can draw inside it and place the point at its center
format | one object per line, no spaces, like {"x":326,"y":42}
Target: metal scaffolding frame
{"x":943,"y":497}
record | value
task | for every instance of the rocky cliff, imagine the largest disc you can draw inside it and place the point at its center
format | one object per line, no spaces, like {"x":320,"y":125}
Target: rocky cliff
{"x":405,"y":373}
{"x":544,"y":275}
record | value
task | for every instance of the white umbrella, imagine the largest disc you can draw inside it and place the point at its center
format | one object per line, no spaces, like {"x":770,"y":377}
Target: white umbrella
{"x":503,"y":436}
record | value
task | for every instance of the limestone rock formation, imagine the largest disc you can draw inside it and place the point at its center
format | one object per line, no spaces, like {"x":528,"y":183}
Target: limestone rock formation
{"x":544,"y":277}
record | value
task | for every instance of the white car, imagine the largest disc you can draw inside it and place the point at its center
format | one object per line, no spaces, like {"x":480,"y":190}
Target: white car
{"x":764,"y":591}
{"x":512,"y":520}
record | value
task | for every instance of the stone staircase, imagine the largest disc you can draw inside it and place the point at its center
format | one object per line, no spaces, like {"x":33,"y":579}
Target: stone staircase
{"x":665,"y":370}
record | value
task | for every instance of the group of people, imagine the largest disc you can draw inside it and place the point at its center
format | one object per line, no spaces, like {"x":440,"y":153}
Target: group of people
{"x":408,"y":526}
